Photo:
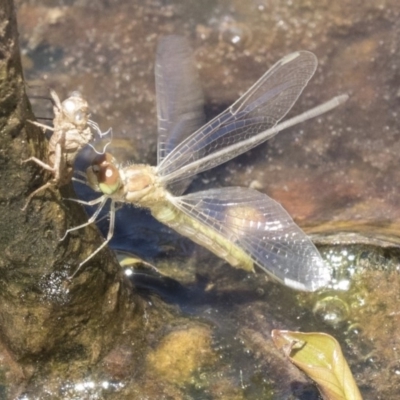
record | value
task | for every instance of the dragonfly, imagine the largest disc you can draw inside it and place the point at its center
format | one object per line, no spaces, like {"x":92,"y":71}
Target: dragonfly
{"x":240,"y":225}
{"x":71,"y":132}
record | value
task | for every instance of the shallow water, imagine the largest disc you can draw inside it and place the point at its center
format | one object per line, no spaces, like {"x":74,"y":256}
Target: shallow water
{"x":335,"y":174}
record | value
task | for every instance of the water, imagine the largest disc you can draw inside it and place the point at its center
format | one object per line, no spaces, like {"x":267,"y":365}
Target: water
{"x":335,"y":174}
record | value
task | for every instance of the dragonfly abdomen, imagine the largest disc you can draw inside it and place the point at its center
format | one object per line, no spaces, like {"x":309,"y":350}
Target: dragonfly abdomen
{"x":203,"y":235}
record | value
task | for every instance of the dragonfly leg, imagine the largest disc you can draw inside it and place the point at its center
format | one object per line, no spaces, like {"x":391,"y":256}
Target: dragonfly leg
{"x":81,"y":178}
{"x":82,"y":181}
{"x":102,"y":200}
{"x":44,"y":187}
{"x":80,"y":173}
{"x":43,"y":126}
{"x":87,"y":203}
{"x":55,"y":99}
{"x":110,"y":234}
{"x":41,"y":163}
{"x":58,"y":159}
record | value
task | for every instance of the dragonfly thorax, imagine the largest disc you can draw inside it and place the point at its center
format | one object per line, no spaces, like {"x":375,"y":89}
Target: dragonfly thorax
{"x":140,"y":184}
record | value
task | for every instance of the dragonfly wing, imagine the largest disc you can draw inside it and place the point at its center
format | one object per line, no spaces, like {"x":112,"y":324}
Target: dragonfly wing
{"x":264,"y":230}
{"x":180,"y":100}
{"x":259,"y":109}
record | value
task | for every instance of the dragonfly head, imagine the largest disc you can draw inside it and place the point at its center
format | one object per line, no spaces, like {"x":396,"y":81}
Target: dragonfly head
{"x":76,"y":110}
{"x":103,"y":175}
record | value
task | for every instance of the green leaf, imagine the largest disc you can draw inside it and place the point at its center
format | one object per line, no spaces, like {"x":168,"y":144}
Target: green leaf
{"x":320,"y":357}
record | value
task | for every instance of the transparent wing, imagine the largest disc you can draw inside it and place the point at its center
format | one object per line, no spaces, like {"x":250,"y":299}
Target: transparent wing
{"x":263,"y":229}
{"x":180,"y":100}
{"x":259,"y":109}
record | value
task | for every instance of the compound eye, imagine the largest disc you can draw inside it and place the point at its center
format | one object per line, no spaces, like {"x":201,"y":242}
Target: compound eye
{"x":69,"y":106}
{"x":110,"y":174}
{"x":79,"y":117}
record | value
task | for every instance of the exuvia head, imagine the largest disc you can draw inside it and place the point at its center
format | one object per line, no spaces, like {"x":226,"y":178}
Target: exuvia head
{"x":76,"y":109}
{"x":103,"y":175}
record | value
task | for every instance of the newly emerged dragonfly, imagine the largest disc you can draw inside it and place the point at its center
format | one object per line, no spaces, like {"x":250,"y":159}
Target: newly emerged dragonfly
{"x":240,"y":225}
